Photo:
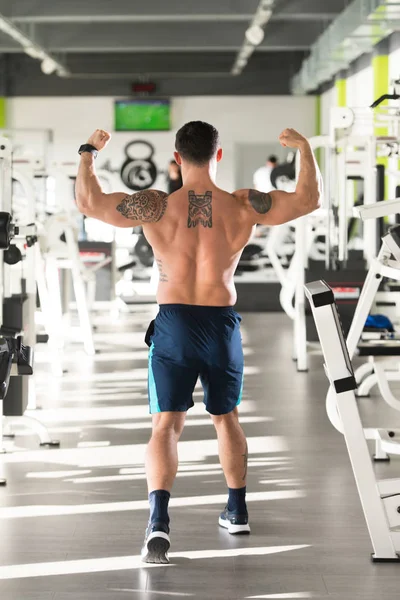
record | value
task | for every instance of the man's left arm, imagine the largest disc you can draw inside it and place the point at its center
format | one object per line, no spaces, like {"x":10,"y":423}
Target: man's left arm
{"x":118,"y":209}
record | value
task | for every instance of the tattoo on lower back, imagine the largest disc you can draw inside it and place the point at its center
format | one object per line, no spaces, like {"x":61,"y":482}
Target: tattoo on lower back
{"x":260,"y":202}
{"x":147,"y":206}
{"x":163,"y":275}
{"x":246,"y":459}
{"x":200,"y":209}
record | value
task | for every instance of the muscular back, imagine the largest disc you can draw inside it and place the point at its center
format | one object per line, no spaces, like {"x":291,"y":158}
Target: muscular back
{"x":198,"y":233}
{"x":197,"y":244}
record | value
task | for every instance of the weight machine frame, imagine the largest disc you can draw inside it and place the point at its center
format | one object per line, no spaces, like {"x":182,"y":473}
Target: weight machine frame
{"x":376,"y":370}
{"x":350,"y":149}
{"x":380,"y":500}
{"x":6,"y":423}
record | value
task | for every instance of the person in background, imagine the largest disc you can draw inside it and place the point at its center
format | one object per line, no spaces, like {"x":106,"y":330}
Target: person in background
{"x":262,"y":177}
{"x":174,"y":177}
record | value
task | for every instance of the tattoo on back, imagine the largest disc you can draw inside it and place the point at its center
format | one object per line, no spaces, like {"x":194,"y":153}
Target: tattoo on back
{"x":147,"y":206}
{"x":163,"y":275}
{"x":200,"y":209}
{"x":260,"y":202}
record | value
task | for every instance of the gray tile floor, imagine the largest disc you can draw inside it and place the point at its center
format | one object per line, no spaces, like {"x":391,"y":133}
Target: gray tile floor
{"x":72,"y":520}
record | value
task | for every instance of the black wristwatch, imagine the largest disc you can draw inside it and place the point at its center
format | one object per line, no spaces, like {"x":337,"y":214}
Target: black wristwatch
{"x":88,"y":148}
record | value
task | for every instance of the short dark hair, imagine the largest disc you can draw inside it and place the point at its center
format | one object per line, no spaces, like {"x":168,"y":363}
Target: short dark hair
{"x":197,"y":142}
{"x":272,"y":158}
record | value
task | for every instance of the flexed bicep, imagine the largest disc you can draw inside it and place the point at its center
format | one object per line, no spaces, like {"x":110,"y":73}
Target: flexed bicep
{"x":261,"y":202}
{"x":275,"y":208}
{"x":128,"y":210}
{"x":118,"y":209}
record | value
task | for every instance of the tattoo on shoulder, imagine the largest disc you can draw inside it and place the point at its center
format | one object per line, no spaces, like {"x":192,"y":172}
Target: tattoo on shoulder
{"x":147,"y":206}
{"x":260,"y":202}
{"x":200,"y":209}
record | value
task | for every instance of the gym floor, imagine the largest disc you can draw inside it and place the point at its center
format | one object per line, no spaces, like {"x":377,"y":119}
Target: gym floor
{"x":73,"y":520}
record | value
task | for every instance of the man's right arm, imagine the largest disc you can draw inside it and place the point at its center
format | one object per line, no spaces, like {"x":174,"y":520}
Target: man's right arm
{"x":279,"y":207}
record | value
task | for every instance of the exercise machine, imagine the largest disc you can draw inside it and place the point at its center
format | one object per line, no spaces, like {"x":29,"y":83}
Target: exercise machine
{"x":380,"y":499}
{"x":17,"y":301}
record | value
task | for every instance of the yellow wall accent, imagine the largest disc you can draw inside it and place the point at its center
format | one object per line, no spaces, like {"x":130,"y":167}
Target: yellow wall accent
{"x":341,"y":91}
{"x":3,"y":112}
{"x":380,"y":69}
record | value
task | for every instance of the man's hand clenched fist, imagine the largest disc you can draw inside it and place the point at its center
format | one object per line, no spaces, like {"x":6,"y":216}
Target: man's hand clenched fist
{"x":99,"y":139}
{"x":291,"y":138}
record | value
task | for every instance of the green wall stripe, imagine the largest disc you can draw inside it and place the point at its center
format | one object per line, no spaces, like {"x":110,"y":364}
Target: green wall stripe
{"x":3,"y":112}
{"x":341,"y":91}
{"x":380,"y":69}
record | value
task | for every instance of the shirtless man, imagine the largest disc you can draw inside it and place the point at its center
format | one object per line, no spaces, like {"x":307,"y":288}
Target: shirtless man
{"x":198,"y":234}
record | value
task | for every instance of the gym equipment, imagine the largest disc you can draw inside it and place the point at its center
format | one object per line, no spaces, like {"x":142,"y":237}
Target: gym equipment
{"x":144,"y":251}
{"x":283,"y":177}
{"x":382,"y":266}
{"x":12,"y":255}
{"x":380,"y":500}
{"x":253,"y":258}
{"x":6,"y":230}
{"x":17,"y":308}
{"x":26,"y":207}
{"x":394,"y":96}
{"x":13,"y":354}
{"x":351,"y":151}
{"x":59,"y":250}
{"x":385,"y":265}
{"x":139,"y":172}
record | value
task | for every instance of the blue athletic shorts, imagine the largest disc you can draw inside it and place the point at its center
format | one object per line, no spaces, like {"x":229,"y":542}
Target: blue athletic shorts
{"x":188,"y":342}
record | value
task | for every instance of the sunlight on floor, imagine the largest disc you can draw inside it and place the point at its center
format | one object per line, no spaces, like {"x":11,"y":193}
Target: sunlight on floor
{"x":286,"y":596}
{"x":126,"y":563}
{"x":20,"y":512}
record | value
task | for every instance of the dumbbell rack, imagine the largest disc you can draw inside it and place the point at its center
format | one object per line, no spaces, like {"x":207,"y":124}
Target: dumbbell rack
{"x":380,"y":500}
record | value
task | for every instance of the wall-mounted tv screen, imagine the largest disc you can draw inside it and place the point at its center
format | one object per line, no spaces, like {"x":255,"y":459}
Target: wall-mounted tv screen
{"x":142,"y":115}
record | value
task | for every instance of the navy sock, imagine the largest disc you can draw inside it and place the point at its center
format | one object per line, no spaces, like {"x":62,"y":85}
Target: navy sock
{"x":237,"y":501}
{"x":159,"y":500}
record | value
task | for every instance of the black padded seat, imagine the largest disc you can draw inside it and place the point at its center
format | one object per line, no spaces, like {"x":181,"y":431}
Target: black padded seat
{"x":379,"y":348}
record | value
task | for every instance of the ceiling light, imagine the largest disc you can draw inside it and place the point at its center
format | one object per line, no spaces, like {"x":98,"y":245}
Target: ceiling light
{"x":62,"y":71}
{"x":48,"y":66}
{"x":255,"y":35}
{"x":33,"y":52}
{"x":246,"y":51}
{"x":262,"y":17}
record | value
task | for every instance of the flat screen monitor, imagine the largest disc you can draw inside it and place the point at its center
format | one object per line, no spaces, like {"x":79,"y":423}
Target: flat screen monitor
{"x":142,"y":115}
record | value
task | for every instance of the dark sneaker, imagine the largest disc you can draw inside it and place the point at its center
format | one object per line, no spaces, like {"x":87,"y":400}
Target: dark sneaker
{"x":156,"y":544}
{"x":234,"y":523}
